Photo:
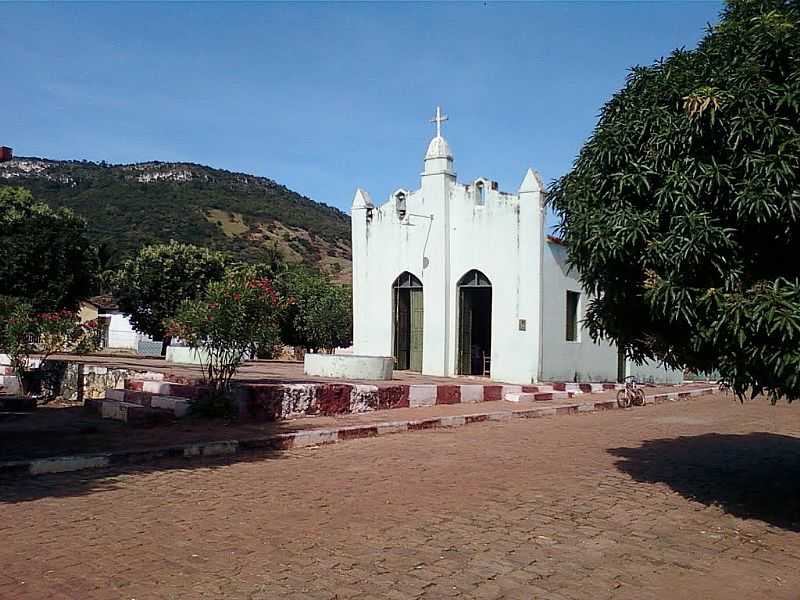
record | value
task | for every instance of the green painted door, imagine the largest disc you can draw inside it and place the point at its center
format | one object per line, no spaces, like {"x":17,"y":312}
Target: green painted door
{"x":402,"y":332}
{"x":417,"y":315}
{"x":465,"y":332}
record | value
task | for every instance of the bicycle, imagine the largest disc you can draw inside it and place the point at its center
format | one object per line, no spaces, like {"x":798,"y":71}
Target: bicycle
{"x":631,"y":394}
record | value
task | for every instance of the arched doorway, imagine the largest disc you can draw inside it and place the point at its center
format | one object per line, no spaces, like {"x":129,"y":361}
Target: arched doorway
{"x":474,"y":324}
{"x":407,"y":315}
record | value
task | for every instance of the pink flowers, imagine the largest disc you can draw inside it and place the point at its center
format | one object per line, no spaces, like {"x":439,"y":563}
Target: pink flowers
{"x":266,"y":288}
{"x":57,"y":315}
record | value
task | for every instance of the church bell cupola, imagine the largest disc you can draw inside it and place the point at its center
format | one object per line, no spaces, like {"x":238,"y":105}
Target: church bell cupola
{"x":439,"y":158}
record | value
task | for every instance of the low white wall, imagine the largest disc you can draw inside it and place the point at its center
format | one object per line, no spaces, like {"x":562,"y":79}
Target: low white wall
{"x":348,"y":366}
{"x":653,"y":372}
{"x":121,"y":333}
{"x":185,"y":355}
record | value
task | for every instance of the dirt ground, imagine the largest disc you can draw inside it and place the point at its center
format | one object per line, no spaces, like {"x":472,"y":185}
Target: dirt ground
{"x":695,"y":499}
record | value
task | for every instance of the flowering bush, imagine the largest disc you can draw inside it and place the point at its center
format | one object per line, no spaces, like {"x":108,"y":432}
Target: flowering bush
{"x":226,"y":322}
{"x":25,"y":334}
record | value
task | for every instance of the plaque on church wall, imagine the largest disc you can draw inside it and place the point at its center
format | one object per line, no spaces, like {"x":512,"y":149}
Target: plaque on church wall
{"x":523,"y":324}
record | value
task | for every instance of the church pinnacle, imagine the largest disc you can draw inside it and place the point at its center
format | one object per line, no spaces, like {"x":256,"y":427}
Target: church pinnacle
{"x":439,"y":119}
{"x":439,"y":148}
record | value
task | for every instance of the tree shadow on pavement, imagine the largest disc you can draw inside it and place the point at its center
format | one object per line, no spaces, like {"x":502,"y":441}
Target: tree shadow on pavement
{"x":27,"y":488}
{"x":751,"y":476}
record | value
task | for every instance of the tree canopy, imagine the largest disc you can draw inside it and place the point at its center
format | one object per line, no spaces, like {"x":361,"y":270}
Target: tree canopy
{"x":681,"y":211}
{"x":151,"y":286}
{"x":46,"y":258}
{"x":318,"y":314}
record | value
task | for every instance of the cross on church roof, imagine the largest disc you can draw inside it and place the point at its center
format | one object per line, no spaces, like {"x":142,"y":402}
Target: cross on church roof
{"x":439,"y":119}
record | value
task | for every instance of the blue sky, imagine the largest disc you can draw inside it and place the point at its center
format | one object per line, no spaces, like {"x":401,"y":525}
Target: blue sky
{"x":325,"y":98}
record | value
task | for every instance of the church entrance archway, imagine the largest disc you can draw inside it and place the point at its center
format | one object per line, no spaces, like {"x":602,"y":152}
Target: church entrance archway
{"x":474,"y":324}
{"x":408,"y":318}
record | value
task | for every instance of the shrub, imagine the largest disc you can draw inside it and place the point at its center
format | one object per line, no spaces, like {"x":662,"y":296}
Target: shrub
{"x":26,"y":335}
{"x":225,"y":323}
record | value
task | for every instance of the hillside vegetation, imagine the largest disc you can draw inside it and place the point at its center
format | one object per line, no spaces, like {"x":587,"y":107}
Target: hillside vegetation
{"x":129,"y":206}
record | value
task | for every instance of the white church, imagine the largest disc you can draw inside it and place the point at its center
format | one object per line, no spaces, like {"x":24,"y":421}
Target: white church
{"x":459,"y":279}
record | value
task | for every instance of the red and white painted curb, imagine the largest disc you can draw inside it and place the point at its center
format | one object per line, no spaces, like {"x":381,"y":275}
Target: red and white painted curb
{"x":277,"y":401}
{"x":313,"y":437}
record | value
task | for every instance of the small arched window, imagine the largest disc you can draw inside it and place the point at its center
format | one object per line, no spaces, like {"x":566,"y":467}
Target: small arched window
{"x":480,"y":193}
{"x":400,"y":204}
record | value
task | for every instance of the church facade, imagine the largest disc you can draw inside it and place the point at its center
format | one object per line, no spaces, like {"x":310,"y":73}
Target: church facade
{"x":459,"y":279}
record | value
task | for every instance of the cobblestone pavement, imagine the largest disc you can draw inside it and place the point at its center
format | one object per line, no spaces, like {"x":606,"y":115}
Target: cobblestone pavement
{"x":687,"y":500}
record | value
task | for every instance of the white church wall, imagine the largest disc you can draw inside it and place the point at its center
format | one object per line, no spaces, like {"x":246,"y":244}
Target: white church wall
{"x":563,"y":360}
{"x":500,"y":238}
{"x":388,"y":246}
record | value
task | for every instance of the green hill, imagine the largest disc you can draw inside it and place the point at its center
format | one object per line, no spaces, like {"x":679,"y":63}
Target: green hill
{"x":128,"y":206}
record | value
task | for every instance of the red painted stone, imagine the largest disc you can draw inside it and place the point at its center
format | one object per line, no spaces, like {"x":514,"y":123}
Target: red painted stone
{"x":530,"y":389}
{"x":182,"y":379}
{"x":543,"y":396}
{"x":134,"y":384}
{"x":276,"y":442}
{"x":492,"y":393}
{"x":476,"y":418}
{"x":560,"y":387}
{"x":609,"y":386}
{"x":190,"y":392}
{"x":140,"y":398}
{"x":333,"y":398}
{"x":261,"y":402}
{"x":393,"y":396}
{"x":448,"y":394}
{"x":424,"y":424}
{"x":352,"y":433}
{"x":586,"y":388}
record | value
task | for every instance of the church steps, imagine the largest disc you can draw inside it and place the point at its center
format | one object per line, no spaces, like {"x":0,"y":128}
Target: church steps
{"x":135,"y":415}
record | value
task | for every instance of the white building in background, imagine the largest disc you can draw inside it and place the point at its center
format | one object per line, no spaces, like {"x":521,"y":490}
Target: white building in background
{"x":116,"y":331}
{"x":460,"y":279}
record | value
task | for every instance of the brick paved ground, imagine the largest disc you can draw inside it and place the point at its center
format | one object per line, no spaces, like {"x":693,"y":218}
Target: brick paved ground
{"x":687,"y":500}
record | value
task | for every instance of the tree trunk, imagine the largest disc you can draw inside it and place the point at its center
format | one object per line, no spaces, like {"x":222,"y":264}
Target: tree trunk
{"x":165,"y":344}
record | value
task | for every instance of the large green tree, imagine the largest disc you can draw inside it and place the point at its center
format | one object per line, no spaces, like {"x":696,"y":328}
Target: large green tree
{"x":681,"y":212}
{"x":151,"y":286}
{"x":45,"y":255}
{"x":317,"y":313}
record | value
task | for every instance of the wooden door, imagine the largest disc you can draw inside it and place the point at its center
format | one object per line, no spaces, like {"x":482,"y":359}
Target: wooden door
{"x":416,"y":330}
{"x":464,"y":332}
{"x":402,"y":329}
